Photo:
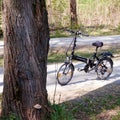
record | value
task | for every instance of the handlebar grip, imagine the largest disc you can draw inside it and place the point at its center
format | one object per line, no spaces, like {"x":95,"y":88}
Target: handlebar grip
{"x":80,"y":33}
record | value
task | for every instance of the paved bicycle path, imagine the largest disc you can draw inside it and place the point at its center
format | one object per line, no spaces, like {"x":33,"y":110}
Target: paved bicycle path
{"x":61,"y":42}
{"x":80,"y":84}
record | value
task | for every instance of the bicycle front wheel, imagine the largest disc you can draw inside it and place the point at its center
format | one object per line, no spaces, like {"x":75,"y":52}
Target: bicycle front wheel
{"x":104,"y":68}
{"x":65,"y":73}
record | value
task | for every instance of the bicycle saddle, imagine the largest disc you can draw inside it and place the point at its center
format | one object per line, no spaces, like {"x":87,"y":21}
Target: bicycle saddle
{"x":97,"y":44}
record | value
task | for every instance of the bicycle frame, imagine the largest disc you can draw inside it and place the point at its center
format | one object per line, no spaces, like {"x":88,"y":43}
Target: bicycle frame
{"x":80,"y":58}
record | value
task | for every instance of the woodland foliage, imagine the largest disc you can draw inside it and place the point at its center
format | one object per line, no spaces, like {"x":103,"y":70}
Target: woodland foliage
{"x":89,"y":12}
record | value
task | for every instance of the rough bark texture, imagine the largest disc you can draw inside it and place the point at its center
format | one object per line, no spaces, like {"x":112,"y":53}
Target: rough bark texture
{"x":73,"y":13}
{"x":26,"y":39}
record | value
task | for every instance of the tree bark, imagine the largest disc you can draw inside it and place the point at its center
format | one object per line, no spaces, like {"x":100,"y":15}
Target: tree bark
{"x":73,"y":13}
{"x":26,"y":39}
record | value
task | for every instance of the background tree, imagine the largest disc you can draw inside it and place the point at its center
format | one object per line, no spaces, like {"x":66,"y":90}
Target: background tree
{"x":26,"y":38}
{"x":73,"y":13}
{"x":0,"y":19}
{"x":57,"y":12}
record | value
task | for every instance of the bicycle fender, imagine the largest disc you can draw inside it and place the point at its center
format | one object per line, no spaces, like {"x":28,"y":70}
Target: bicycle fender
{"x":106,"y":54}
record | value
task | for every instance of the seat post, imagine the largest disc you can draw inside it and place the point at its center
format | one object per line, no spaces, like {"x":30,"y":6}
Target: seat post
{"x":96,"y":49}
{"x":74,"y":45}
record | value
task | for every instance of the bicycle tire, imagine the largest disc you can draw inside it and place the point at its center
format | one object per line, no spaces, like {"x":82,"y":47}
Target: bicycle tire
{"x":104,"y":68}
{"x":65,"y":73}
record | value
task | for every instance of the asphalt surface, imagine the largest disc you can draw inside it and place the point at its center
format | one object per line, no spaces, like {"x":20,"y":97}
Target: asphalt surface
{"x":55,"y":42}
{"x":114,"y":39}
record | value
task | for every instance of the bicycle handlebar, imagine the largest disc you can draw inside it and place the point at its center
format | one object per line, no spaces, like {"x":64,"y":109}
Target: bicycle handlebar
{"x":74,"y":40}
{"x":77,"y":32}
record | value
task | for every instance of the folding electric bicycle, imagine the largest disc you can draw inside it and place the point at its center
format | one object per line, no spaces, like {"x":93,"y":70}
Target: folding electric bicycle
{"x":102,"y":63}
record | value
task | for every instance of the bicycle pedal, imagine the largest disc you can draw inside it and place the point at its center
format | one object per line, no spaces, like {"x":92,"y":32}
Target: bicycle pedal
{"x":80,"y":69}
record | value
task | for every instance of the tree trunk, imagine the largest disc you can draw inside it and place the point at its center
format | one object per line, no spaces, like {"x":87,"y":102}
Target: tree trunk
{"x":73,"y":13}
{"x":26,"y":39}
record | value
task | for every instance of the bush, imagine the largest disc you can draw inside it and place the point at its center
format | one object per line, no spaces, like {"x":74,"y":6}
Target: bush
{"x":60,"y":113}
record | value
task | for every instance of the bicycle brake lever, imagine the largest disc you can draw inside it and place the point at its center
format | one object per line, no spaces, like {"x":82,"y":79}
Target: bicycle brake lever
{"x":71,"y":31}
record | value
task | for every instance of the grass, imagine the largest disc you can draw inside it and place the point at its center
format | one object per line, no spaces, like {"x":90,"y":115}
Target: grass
{"x":52,"y":58}
{"x":88,"y":108}
{"x":58,"y":33}
{"x":116,"y":117}
{"x":60,"y":56}
{"x":60,"y":113}
{"x":91,"y":107}
{"x":96,"y":105}
{"x":92,"y":30}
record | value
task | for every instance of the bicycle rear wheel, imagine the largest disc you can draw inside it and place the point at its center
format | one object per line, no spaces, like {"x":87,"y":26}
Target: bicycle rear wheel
{"x":65,"y":73}
{"x":104,"y":68}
